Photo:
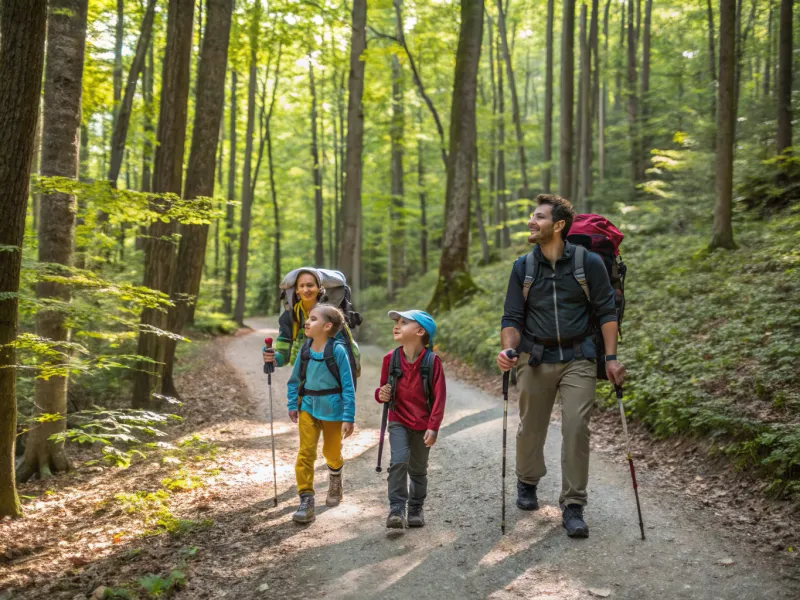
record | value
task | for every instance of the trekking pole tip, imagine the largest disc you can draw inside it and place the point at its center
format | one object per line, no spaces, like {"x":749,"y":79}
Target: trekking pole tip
{"x":378,"y":469}
{"x":275,"y":502}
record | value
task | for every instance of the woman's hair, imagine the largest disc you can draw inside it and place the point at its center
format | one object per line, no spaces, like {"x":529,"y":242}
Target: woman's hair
{"x":332,"y":315}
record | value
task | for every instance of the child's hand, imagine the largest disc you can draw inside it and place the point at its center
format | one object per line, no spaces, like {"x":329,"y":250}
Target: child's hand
{"x":347,"y":430}
{"x":385,"y":394}
{"x":293,"y":416}
{"x":430,"y":437}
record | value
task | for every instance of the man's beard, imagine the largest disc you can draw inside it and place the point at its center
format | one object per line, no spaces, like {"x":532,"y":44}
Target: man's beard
{"x":540,"y":237}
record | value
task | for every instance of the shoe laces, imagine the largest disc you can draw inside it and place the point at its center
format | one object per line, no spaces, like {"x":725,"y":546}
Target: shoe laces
{"x":573,"y":511}
{"x":414,"y":511}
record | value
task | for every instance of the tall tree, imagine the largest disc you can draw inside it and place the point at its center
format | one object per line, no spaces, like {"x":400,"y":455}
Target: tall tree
{"x":501,"y":200}
{"x":567,"y":97}
{"x":722,"y":236}
{"x":645,"y":128}
{"x":22,"y":31}
{"x":547,"y":168}
{"x":455,"y":283}
{"x":210,"y":99}
{"x":227,"y":291}
{"x":784,"y":95}
{"x":397,"y":221}
{"x":63,"y":78}
{"x":584,"y":116}
{"x":515,"y":112}
{"x":603,"y":100}
{"x":119,"y":39}
{"x":123,"y":113}
{"x":147,"y":145}
{"x":423,"y":216}
{"x":159,"y":247}
{"x":319,"y":247}
{"x":712,"y":59}
{"x":247,"y":187}
{"x":350,"y":252}
{"x":479,"y":214}
{"x":633,"y":105}
{"x":276,"y":265}
{"x":768,"y":61}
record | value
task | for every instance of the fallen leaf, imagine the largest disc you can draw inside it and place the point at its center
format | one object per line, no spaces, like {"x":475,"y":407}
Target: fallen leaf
{"x":599,"y":592}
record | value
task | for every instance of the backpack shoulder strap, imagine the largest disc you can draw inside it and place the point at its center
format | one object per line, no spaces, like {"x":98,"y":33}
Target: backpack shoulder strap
{"x":579,"y":269}
{"x":305,"y":356}
{"x":330,"y":360}
{"x":531,"y":268}
{"x":426,"y":372}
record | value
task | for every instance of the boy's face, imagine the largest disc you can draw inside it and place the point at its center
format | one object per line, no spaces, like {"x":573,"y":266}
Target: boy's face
{"x":541,"y":225}
{"x":406,"y":331}
{"x":316,"y":326}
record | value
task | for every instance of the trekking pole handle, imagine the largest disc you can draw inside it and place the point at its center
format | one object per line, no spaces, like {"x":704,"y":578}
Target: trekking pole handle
{"x":510,"y":354}
{"x":268,"y":366}
{"x":618,"y":389}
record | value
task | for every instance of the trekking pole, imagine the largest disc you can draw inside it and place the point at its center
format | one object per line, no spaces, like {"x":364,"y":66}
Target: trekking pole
{"x":510,"y":354}
{"x":630,"y":457}
{"x":384,"y":420}
{"x":269,"y":368}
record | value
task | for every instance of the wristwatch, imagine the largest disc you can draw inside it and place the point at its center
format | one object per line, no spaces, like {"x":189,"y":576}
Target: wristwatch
{"x":610,"y":357}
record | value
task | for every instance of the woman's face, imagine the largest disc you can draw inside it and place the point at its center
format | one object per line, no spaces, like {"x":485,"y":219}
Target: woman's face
{"x":307,"y":289}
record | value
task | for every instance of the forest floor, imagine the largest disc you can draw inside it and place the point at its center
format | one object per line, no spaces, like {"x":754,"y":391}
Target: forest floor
{"x":196,"y":518}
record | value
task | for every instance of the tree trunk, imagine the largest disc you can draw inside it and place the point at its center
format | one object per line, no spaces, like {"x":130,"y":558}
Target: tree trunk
{"x":22,"y":32}
{"x":722,"y":236}
{"x":147,"y":146}
{"x":220,"y":182}
{"x":397,"y":221}
{"x":633,"y":107}
{"x":603,"y":107}
{"x":567,"y":97}
{"x":36,"y":199}
{"x":455,"y":284}
{"x":712,"y":60}
{"x":123,"y":115}
{"x":494,"y":203}
{"x":768,"y":62}
{"x":319,"y":234}
{"x":66,"y":40}
{"x":276,"y":270}
{"x":479,"y":214}
{"x":160,"y":249}
{"x":646,"y":140}
{"x":119,"y":38}
{"x":350,"y":253}
{"x":423,"y":229}
{"x":341,"y":172}
{"x":209,"y":102}
{"x":547,"y":169}
{"x":584,"y":125}
{"x":227,"y":294}
{"x":594,"y":93}
{"x":784,"y":134}
{"x":515,"y":113}
{"x":500,"y":173}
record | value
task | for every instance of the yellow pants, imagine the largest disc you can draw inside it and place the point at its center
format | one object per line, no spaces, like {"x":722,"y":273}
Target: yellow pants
{"x":310,"y":428}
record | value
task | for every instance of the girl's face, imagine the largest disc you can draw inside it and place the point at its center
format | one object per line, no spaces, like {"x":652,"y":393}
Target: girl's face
{"x":317,"y":326}
{"x":407,"y":332}
{"x":307,"y":289}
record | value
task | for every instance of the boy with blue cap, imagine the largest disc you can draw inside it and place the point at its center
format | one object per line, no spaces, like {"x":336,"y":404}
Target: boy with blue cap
{"x":412,"y":382}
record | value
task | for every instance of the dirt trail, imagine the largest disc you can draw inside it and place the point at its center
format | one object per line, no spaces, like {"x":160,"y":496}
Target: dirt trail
{"x":347,"y":552}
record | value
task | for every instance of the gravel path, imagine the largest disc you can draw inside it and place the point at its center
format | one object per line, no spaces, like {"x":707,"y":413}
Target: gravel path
{"x":347,"y":552}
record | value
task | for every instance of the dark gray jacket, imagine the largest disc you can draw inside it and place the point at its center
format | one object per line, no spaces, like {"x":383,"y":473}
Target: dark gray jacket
{"x":557,"y":309}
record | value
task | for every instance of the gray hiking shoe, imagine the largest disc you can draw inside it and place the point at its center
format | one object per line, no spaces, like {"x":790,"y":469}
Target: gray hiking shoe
{"x":396,"y":518}
{"x":305,"y":514}
{"x":526,"y":496}
{"x":416,"y":517}
{"x":572,"y":518}
{"x":334,"y":489}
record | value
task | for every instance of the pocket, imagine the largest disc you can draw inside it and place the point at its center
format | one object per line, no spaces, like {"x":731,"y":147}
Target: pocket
{"x":589,"y":349}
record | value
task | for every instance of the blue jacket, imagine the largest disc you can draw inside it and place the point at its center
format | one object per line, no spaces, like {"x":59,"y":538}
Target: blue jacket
{"x":333,"y":407}
{"x":557,"y":307}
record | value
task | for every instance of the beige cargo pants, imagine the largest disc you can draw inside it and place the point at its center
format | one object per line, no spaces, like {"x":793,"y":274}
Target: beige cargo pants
{"x":575,"y":381}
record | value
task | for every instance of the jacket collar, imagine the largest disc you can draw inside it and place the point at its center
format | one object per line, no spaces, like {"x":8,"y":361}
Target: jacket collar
{"x":569,"y":250}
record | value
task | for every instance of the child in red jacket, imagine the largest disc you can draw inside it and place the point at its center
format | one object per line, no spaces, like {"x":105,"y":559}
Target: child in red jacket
{"x":412,"y":382}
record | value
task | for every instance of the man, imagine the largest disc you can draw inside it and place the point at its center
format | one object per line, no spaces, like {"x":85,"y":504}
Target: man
{"x":552,"y":330}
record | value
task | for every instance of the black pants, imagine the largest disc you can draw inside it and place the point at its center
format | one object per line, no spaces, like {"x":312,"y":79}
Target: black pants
{"x":408,"y":468}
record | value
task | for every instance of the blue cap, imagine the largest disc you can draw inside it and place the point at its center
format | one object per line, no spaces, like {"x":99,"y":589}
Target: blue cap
{"x":420,"y":316}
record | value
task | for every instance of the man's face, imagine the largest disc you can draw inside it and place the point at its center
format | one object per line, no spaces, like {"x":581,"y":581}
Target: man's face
{"x":541,"y":225}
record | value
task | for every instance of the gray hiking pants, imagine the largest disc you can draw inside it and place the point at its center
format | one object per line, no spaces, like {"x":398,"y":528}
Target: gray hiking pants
{"x":408,"y":467}
{"x":575,"y":382}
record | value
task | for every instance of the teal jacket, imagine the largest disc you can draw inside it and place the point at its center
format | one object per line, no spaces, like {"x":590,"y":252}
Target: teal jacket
{"x":333,"y":407}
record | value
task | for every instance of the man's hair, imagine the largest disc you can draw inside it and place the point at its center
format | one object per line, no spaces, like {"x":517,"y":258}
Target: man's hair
{"x":560,"y":209}
{"x":333,"y":315}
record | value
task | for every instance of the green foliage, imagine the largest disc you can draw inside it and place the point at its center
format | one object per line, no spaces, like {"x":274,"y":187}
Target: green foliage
{"x":771,"y":184}
{"x":156,"y":586}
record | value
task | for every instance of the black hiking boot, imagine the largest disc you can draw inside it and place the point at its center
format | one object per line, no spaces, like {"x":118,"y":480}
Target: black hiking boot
{"x":305,"y":514}
{"x":334,"y":489}
{"x":526,"y":496}
{"x":396,"y":518}
{"x":572,"y":518}
{"x":416,"y":517}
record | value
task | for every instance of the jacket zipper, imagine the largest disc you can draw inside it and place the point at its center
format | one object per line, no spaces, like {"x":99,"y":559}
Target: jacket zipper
{"x":555,"y":308}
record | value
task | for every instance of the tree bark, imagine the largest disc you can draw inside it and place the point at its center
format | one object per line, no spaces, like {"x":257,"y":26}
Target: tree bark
{"x":633,"y":106}
{"x":645,"y":125}
{"x":479,"y":215}
{"x":722,"y":236}
{"x":319,"y":234}
{"x":423,"y":222}
{"x":603,"y":107}
{"x":784,"y":133}
{"x":455,"y":284}
{"x":22,"y":32}
{"x":160,"y":248}
{"x":227,"y":293}
{"x":494,"y":202}
{"x":123,"y":115}
{"x":276,"y":274}
{"x":66,"y":40}
{"x":768,"y":62}
{"x":350,"y":253}
{"x":515,"y":113}
{"x":397,"y":221}
{"x":119,"y":37}
{"x":567,"y":97}
{"x":620,"y":58}
{"x":712,"y":60}
{"x":547,"y":169}
{"x":501,"y":200}
{"x":209,"y":102}
{"x":584,"y":124}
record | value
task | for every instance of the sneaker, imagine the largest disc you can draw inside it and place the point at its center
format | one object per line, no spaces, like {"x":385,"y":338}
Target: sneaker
{"x":305,"y":514}
{"x":573,"y":521}
{"x":396,"y":518}
{"x":334,"y":489}
{"x":416,"y":517}
{"x":526,"y":496}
